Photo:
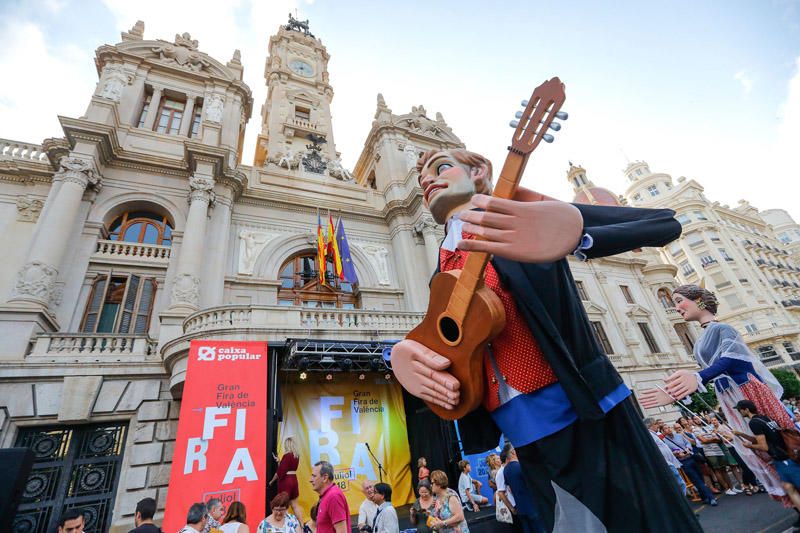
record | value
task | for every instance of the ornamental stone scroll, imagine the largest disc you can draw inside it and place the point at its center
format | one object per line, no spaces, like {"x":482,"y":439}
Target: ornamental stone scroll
{"x":79,"y":171}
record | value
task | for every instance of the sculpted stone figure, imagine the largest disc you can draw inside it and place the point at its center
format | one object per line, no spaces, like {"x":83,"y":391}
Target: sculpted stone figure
{"x":115,"y":81}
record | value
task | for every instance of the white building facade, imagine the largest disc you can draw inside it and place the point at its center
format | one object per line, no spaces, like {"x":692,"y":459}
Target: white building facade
{"x":141,"y":230}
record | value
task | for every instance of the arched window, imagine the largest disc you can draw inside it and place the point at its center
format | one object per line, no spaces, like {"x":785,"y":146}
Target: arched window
{"x":665,"y":298}
{"x":141,"y":226}
{"x":300,"y":285}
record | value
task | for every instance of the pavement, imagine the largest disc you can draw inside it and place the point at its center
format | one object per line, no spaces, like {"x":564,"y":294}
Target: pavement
{"x":745,"y":514}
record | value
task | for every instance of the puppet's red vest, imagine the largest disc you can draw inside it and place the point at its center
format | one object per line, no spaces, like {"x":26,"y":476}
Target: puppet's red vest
{"x":519,"y":359}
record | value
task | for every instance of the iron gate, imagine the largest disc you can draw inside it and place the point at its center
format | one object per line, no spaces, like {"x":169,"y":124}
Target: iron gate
{"x":74,"y":468}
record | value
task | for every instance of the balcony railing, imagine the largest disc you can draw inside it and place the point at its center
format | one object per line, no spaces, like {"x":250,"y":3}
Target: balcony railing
{"x":133,"y":251}
{"x":21,"y":150}
{"x":300,"y":319}
{"x":92,"y":344}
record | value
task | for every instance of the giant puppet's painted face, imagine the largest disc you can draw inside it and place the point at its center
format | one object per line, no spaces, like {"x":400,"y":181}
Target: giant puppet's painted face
{"x":447,"y":185}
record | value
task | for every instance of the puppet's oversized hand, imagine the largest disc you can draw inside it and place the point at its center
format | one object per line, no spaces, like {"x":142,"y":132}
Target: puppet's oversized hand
{"x":421,"y":372}
{"x":531,"y":228}
{"x":682,"y":383}
{"x":654,"y":398}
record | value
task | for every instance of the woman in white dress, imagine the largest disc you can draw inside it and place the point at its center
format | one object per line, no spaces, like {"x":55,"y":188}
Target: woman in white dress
{"x":235,"y":520}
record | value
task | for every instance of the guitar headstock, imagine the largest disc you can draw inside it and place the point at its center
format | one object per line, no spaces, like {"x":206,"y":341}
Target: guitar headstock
{"x":539,"y":116}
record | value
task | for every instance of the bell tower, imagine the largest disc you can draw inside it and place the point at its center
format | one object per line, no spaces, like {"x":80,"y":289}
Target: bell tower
{"x":296,"y":129}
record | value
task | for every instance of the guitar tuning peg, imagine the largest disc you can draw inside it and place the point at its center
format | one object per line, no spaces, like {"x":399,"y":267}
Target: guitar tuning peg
{"x":514,"y":123}
{"x":563,"y":115}
{"x":524,"y":103}
{"x":518,"y":114}
{"x":548,"y":138}
{"x":555,"y":126}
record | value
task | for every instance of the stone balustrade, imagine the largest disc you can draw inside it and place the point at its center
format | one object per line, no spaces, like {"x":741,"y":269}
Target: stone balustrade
{"x":301,"y":320}
{"x":21,"y":150}
{"x":92,"y":344}
{"x":304,"y":124}
{"x":133,"y":251}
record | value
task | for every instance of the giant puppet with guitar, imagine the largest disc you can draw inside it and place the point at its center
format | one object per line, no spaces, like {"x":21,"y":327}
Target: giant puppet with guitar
{"x":506,"y":345}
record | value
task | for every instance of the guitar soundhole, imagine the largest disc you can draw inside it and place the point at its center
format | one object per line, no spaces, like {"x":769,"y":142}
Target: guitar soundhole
{"x":449,"y":329}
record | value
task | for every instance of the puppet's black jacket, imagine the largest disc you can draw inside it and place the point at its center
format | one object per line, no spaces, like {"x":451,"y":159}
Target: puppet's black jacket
{"x":548,"y":301}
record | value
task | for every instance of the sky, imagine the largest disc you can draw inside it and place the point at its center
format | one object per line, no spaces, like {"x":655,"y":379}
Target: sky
{"x":707,"y":89}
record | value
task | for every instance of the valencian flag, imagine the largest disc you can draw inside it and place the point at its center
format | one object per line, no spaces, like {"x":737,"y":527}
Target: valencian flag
{"x":321,"y":256}
{"x":348,"y":270}
{"x":333,"y":249}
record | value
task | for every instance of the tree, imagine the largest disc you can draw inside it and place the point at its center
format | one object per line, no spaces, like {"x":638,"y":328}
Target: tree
{"x":704,"y":401}
{"x":789,"y":382}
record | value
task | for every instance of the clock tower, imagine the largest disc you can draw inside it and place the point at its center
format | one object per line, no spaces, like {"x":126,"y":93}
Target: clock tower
{"x":296,"y":130}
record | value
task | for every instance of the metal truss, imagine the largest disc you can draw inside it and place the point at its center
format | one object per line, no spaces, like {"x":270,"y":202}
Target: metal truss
{"x":312,"y":355}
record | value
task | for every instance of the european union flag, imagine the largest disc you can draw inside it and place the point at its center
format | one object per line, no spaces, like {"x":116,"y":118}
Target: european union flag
{"x":348,"y":269}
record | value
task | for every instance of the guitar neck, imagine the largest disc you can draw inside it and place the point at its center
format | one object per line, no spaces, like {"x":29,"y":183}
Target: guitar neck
{"x":471,"y":277}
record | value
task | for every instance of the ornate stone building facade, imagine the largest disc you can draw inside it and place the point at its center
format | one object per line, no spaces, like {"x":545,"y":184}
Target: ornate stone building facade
{"x":141,"y":229}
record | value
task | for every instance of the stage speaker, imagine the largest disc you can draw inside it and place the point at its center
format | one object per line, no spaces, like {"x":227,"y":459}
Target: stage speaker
{"x":15,"y":467}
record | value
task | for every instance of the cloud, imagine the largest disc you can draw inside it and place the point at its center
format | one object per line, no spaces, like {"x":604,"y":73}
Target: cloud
{"x":40,"y":82}
{"x":745,"y":80}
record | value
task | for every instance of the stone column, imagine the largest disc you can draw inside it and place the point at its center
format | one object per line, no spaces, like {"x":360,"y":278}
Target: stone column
{"x":218,"y":243}
{"x":188,"y":116}
{"x":152,"y":111}
{"x":427,"y":228}
{"x":186,"y":286}
{"x":36,"y":279}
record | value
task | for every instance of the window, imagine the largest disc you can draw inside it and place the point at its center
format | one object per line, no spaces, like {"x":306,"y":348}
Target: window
{"x":685,"y":335}
{"x":626,"y":292}
{"x":768,"y":353}
{"x":751,"y":328}
{"x":637,"y":197}
{"x":644,"y":327}
{"x":714,"y":236}
{"x":602,"y":338}
{"x":699,"y":215}
{"x":665,"y":298}
{"x":675,"y":248}
{"x":120,"y":304}
{"x":694,"y":239}
{"x":733,"y":301}
{"x":143,"y":114}
{"x":198,"y":114}
{"x":668,"y":185}
{"x":300,"y":285}
{"x":638,"y":172}
{"x":686,"y":268}
{"x":683,"y":219}
{"x":141,"y":226}
{"x":581,"y":291}
{"x":302,"y":113}
{"x":169,"y":116}
{"x":790,"y":349}
{"x":653,"y":189}
{"x":724,"y":254}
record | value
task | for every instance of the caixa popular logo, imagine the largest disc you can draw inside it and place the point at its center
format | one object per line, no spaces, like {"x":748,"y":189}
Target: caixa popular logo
{"x":206,"y":353}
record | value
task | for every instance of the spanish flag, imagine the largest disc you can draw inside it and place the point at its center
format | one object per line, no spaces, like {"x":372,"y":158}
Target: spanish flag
{"x":333,"y":249}
{"x":321,"y":256}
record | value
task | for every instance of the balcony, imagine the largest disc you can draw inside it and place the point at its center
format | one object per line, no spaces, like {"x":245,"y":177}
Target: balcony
{"x":300,"y":127}
{"x":301,"y":321}
{"x":768,"y":333}
{"x":20,"y":150}
{"x":132,"y":253}
{"x":92,"y":345}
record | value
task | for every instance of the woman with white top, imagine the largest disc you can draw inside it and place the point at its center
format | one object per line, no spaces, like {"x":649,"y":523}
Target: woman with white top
{"x":235,"y":520}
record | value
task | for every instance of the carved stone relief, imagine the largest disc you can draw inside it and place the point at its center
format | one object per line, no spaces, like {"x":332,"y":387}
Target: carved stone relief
{"x":28,"y":208}
{"x":186,"y":290}
{"x":214,"y":108}
{"x":183,"y":52}
{"x":116,"y":79}
{"x":379,"y":258}
{"x":36,"y":280}
{"x":252,"y":243}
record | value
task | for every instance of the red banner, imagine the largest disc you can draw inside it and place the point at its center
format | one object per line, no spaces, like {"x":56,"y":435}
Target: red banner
{"x":221,"y":447}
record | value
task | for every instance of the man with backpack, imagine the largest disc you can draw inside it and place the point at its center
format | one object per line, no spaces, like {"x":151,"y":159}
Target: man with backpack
{"x":771,"y":438}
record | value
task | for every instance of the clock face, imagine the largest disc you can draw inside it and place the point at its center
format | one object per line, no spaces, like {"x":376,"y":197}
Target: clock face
{"x":302,"y":68}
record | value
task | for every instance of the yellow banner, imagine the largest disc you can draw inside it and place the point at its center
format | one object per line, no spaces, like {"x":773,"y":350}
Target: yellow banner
{"x":334,"y":422}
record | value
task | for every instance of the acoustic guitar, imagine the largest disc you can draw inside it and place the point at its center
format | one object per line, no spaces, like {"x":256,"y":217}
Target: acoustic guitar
{"x":463,"y":314}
